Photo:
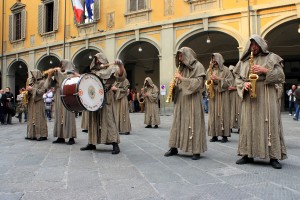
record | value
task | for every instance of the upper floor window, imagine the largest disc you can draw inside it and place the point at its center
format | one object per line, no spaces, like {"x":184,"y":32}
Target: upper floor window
{"x":136,"y":5}
{"x":48,"y":16}
{"x":17,"y":22}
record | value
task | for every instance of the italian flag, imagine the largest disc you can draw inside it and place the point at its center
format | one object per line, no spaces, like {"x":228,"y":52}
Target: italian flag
{"x":78,"y":10}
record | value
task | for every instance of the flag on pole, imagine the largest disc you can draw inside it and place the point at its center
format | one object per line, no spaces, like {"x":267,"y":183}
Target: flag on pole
{"x":89,"y":9}
{"x":78,"y":10}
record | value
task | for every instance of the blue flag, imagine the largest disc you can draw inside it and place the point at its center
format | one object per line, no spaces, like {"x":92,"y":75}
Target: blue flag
{"x":89,"y":9}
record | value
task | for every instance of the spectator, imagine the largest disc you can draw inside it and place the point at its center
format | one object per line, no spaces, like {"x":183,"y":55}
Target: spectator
{"x":48,"y":103}
{"x":291,"y":94}
{"x":1,"y":108}
{"x":20,"y":104}
{"x":7,"y":100}
{"x":297,"y":102}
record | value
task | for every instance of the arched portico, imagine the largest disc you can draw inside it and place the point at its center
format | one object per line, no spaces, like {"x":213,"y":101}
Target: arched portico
{"x":204,"y":43}
{"x":47,"y":61}
{"x":83,"y":58}
{"x":17,"y":74}
{"x":141,"y":59}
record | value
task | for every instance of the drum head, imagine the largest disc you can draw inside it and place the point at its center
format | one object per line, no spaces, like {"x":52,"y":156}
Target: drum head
{"x":90,"y":92}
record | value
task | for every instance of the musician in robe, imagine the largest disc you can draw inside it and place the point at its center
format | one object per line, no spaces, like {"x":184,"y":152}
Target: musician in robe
{"x":219,"y":105}
{"x":235,"y":104}
{"x":261,"y":133}
{"x":188,"y":127}
{"x":103,"y":127}
{"x":36,"y":118}
{"x":151,"y":104}
{"x":121,"y":101}
{"x":64,"y":120}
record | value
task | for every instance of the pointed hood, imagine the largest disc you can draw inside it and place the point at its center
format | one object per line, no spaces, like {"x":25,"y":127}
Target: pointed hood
{"x":260,"y":41}
{"x":189,"y":57}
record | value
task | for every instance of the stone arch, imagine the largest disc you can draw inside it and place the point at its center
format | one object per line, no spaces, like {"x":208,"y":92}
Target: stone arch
{"x":142,"y":39}
{"x":276,"y":22}
{"x":222,"y":39}
{"x":86,"y":55}
{"x":16,"y":75}
{"x":46,"y":59}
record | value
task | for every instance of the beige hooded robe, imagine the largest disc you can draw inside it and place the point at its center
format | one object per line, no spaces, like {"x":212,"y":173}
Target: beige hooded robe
{"x":36,"y":118}
{"x":64,"y":120}
{"x":260,"y":117}
{"x":123,"y":120}
{"x":219,"y":106}
{"x":151,"y":103}
{"x":103,"y":127}
{"x":235,"y":104}
{"x":188,"y":127}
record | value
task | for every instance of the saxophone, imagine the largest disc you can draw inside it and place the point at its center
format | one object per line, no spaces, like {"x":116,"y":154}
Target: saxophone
{"x":252,"y":77}
{"x":171,"y":88}
{"x":210,"y":83}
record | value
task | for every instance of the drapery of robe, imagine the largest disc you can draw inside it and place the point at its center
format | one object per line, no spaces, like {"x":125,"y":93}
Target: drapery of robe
{"x":103,"y":127}
{"x":188,"y":118}
{"x":151,"y":103}
{"x":219,"y":106}
{"x":260,"y":117}
{"x":64,"y":120}
{"x":123,"y":120}
{"x":235,"y":105}
{"x":36,"y":118}
{"x":85,"y":120}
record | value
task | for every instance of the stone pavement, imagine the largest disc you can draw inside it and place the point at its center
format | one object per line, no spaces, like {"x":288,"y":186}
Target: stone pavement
{"x":32,"y":170}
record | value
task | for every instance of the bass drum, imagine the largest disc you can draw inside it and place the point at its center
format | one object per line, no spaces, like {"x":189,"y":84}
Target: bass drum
{"x":85,"y":92}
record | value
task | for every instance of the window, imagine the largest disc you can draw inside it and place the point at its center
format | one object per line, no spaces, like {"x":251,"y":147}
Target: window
{"x":48,"y":16}
{"x":18,"y":26}
{"x":138,"y":11}
{"x":17,"y":22}
{"x":136,"y":5}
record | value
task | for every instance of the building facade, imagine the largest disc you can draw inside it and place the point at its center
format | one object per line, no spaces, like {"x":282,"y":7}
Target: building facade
{"x":145,"y":34}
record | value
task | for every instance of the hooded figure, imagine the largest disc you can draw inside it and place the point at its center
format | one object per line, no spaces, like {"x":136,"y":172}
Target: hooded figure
{"x":151,"y":104}
{"x":103,"y":127}
{"x":219,"y":106}
{"x":123,"y":120}
{"x":188,"y":127}
{"x":36,"y":119}
{"x":64,"y":120}
{"x":261,"y":133}
{"x":235,"y":104}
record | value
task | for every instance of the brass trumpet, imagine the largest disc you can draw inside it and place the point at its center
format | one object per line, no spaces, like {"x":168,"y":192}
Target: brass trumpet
{"x":49,"y":72}
{"x":252,"y":77}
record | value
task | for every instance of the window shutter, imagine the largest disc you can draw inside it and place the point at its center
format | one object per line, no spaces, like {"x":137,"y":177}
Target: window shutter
{"x":141,"y":4}
{"x":41,"y":28}
{"x":55,"y":15}
{"x":132,"y":6}
{"x":96,"y":10}
{"x":11,"y":37}
{"x":23,"y":24}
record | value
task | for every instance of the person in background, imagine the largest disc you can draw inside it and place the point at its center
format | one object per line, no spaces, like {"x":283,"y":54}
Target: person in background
{"x":205,"y":101}
{"x":151,"y":104}
{"x":1,"y":107}
{"x":8,"y":100}
{"x":291,"y":95}
{"x":297,"y":102}
{"x":20,"y":105}
{"x":48,"y":96}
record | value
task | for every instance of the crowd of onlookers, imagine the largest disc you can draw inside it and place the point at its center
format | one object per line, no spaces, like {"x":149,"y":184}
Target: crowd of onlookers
{"x":294,"y":101}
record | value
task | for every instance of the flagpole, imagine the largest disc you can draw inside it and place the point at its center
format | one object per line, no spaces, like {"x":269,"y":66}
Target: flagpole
{"x":64,"y":46}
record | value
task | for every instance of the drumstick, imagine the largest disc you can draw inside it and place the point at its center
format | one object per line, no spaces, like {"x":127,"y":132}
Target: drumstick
{"x":106,"y":65}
